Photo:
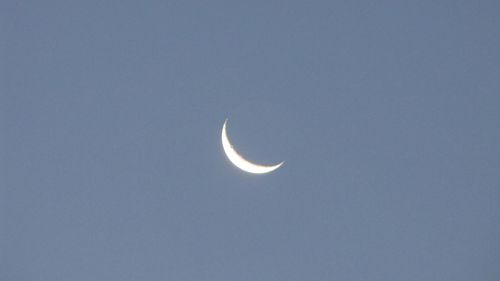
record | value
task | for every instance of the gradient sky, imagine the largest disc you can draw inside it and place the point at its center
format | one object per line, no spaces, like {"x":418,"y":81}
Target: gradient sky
{"x":386,"y":113}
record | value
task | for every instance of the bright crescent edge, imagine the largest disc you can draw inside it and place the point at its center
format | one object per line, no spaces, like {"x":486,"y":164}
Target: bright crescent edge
{"x":241,"y":162}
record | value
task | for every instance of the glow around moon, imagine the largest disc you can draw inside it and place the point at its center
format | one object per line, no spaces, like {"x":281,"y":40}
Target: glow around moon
{"x":241,"y":162}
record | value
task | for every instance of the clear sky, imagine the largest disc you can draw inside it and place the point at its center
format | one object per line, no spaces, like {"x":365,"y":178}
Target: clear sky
{"x":386,"y":113}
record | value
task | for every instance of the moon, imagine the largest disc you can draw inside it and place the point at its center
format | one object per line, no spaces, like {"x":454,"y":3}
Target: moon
{"x":241,"y":162}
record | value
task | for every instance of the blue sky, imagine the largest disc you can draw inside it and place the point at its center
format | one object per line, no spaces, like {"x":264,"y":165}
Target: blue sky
{"x":386,"y":114}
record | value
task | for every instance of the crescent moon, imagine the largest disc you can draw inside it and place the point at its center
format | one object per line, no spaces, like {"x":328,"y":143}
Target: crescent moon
{"x":241,"y":162}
